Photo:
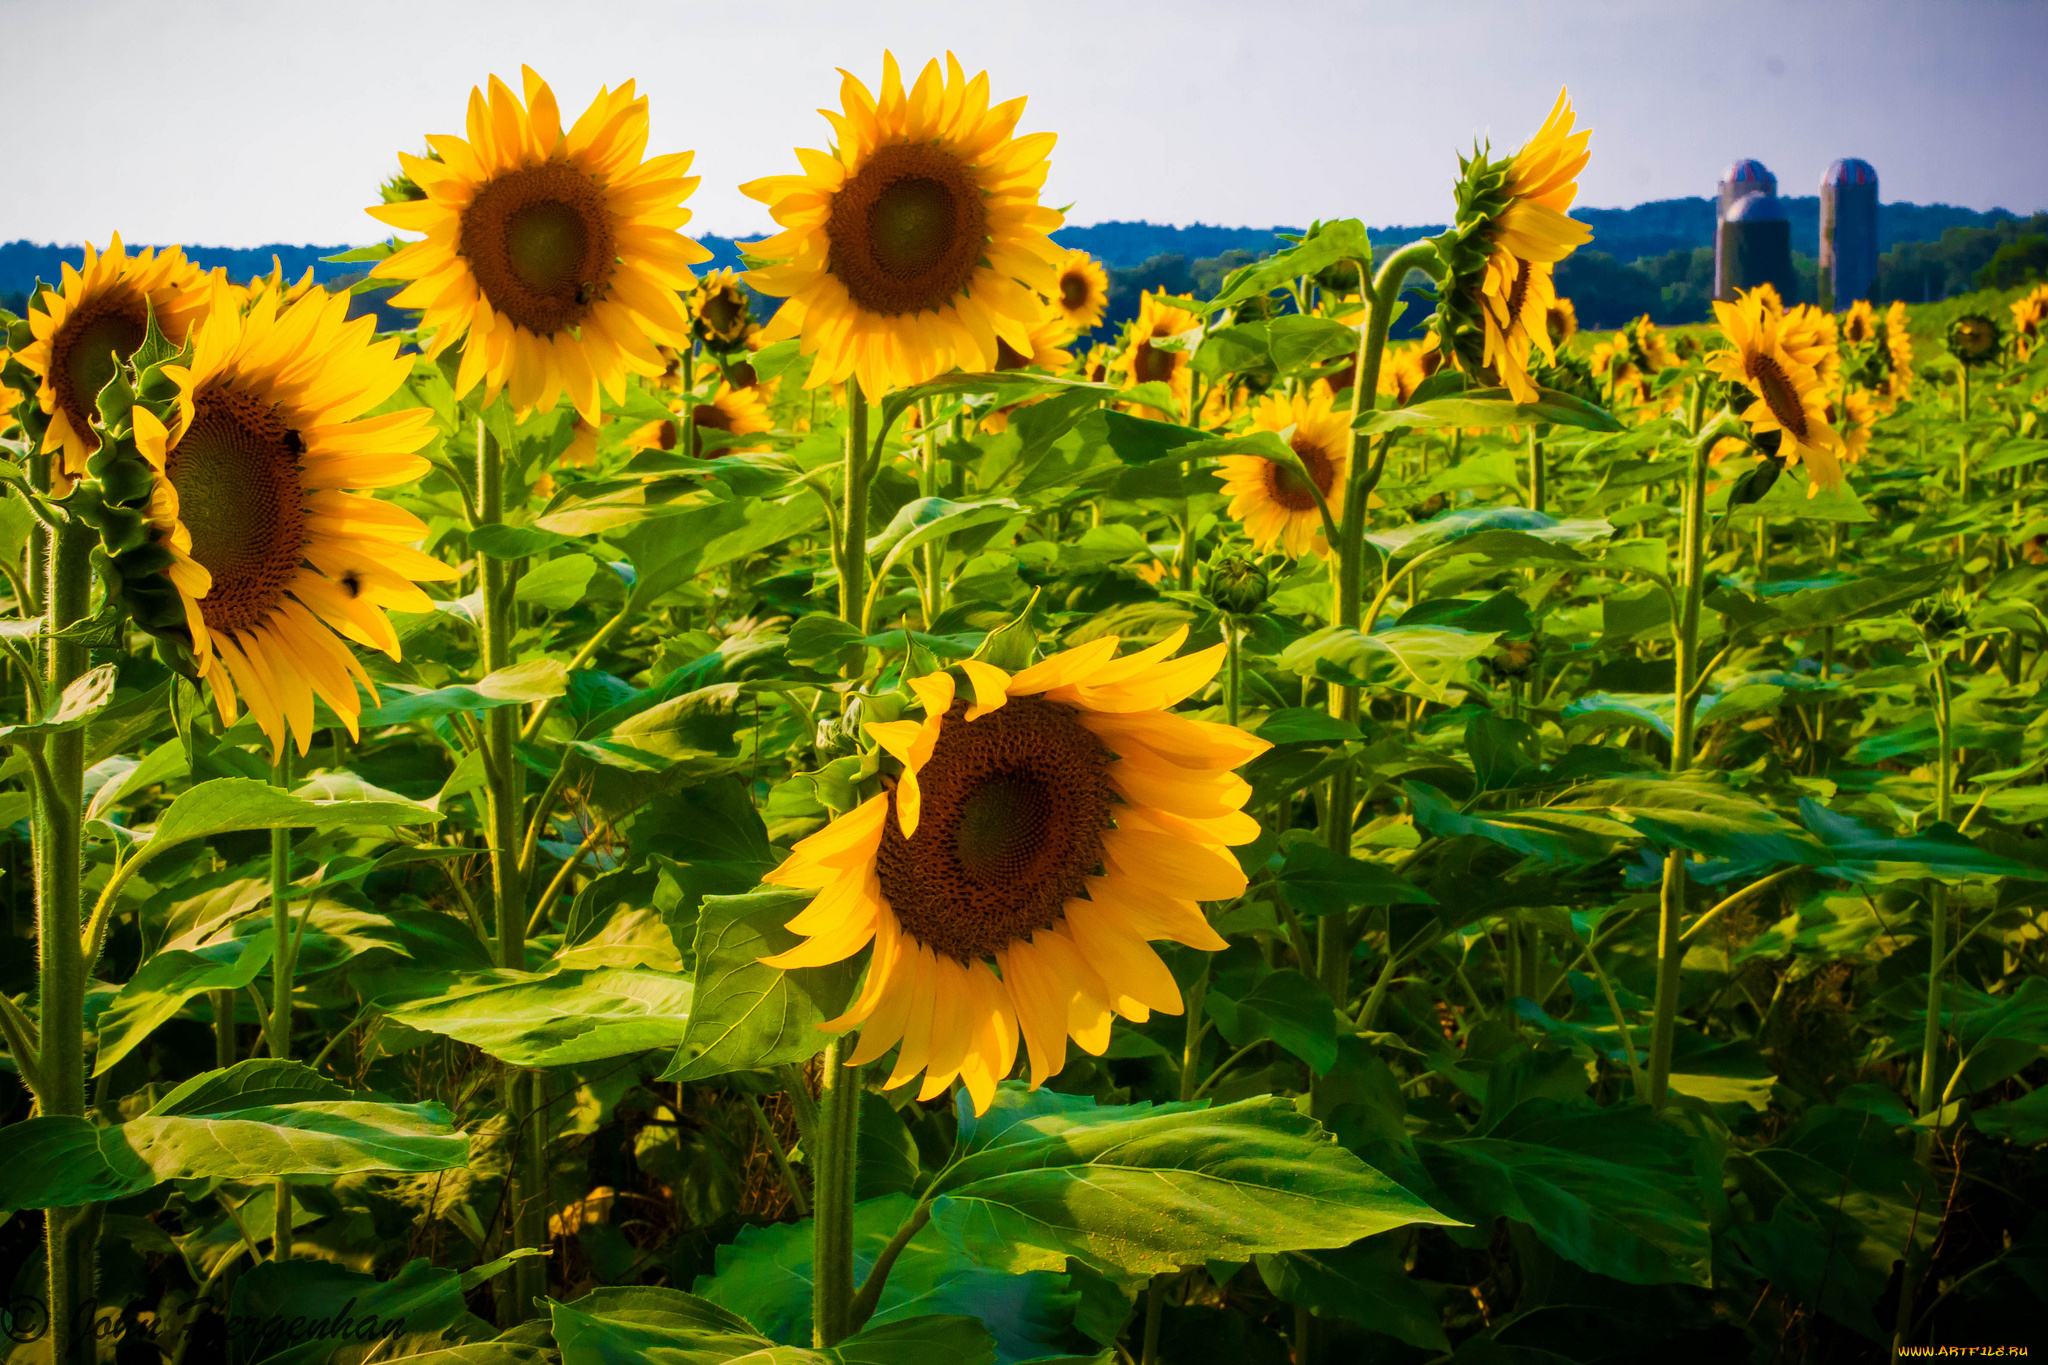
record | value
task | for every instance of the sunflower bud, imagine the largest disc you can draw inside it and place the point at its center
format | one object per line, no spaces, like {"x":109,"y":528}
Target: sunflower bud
{"x":1235,"y":583}
{"x":1940,"y":616}
{"x":1973,"y":339}
{"x":1514,"y":659}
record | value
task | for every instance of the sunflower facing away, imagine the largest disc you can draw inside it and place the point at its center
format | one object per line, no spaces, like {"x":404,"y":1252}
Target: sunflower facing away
{"x":1788,"y":393}
{"x":721,"y":312}
{"x":1050,"y":827}
{"x":919,"y":241}
{"x":1270,"y":500}
{"x":95,"y":314}
{"x":557,"y":254}
{"x":1083,"y":291}
{"x":272,"y":557}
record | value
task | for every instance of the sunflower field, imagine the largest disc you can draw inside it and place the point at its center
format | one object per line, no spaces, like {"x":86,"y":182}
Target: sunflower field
{"x":845,"y":812}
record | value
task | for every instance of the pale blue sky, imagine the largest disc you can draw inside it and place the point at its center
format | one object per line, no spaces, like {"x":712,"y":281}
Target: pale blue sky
{"x":239,"y":122}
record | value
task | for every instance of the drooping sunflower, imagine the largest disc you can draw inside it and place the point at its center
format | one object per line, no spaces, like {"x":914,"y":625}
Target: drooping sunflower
{"x":1159,"y":318}
{"x":1037,"y":837}
{"x":1973,"y":339}
{"x":1788,"y":396}
{"x":918,"y":241}
{"x":1512,"y":228}
{"x":1270,"y":500}
{"x":557,"y":254}
{"x":93,"y":315}
{"x":1083,"y":291}
{"x":274,"y":559}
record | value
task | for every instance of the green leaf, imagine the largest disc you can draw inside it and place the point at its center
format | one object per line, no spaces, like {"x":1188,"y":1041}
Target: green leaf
{"x":1617,"y":1191}
{"x":820,"y":638}
{"x":764,"y":1275}
{"x":228,"y":804}
{"x":1306,"y":725}
{"x":60,"y":1159}
{"x":748,"y":1014}
{"x":1151,"y":1193}
{"x":517,"y":685}
{"x":302,"y":1311}
{"x":1878,"y":595}
{"x":162,"y":985}
{"x":1549,"y":835}
{"x":1252,"y":1001}
{"x":249,"y":1084}
{"x":1491,"y":408}
{"x":557,"y":584}
{"x":574,"y":1015}
{"x":1141,"y":441}
{"x":1366,"y":1283}
{"x":1297,"y":342}
{"x":2024,"y":1120}
{"x":1428,"y":658}
{"x":1322,"y":246}
{"x":1860,"y":854}
{"x":1792,"y":498}
{"x":1318,"y":881}
{"x":631,"y":1324}
{"x":500,"y":541}
{"x":86,"y":698}
{"x":923,"y":520}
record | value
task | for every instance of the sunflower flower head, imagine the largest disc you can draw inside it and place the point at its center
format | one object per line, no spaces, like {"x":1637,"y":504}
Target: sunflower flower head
{"x":2030,"y":320}
{"x":721,"y":314}
{"x":1786,"y":395}
{"x":268,"y":561}
{"x":554,"y":256}
{"x":1083,"y":291}
{"x":1898,"y":350}
{"x":1511,"y":229}
{"x":1973,"y":339}
{"x":1273,"y":502}
{"x":91,"y":321}
{"x":1042,"y":829}
{"x":918,"y":242}
{"x":1159,"y":345}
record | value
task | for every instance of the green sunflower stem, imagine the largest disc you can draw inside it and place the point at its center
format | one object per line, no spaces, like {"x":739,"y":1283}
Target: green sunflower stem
{"x":853,"y":516}
{"x":505,"y":797}
{"x":832,"y":1168}
{"x":62,"y":977}
{"x":279,"y":1025}
{"x":1539,"y":491}
{"x":1686,"y":630}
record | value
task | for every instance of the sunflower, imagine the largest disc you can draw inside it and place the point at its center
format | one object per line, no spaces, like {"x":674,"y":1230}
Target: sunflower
{"x":1898,"y":349}
{"x":739,"y":411}
{"x":1049,"y":338}
{"x":1561,"y":322}
{"x":1405,"y":367}
{"x":1159,"y":319}
{"x":557,"y":254}
{"x":1270,"y":500}
{"x":1810,"y":337}
{"x":1973,"y":339}
{"x":1855,"y":417}
{"x":2030,"y":320}
{"x":97,"y":313}
{"x":1511,"y":230}
{"x":1082,"y":291}
{"x":720,"y":312}
{"x":273,"y":560}
{"x":917,"y":243}
{"x":1859,"y":324}
{"x":582,"y":449}
{"x":1051,"y":826}
{"x":1788,"y":394}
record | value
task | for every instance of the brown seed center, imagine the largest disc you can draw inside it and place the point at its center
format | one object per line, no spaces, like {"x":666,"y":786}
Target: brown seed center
{"x":539,"y":241}
{"x":82,"y":353}
{"x":1287,"y":487}
{"x":1013,"y":810}
{"x":1073,"y":290}
{"x":236,"y":470}
{"x":1779,"y":394}
{"x":907,"y":230}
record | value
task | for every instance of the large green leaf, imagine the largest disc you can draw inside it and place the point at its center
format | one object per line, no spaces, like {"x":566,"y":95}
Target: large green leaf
{"x":748,"y":1014}
{"x":300,"y":1312}
{"x":1252,"y":1001}
{"x":1317,"y":881}
{"x":59,"y":1159}
{"x":1149,"y":1193}
{"x":630,"y":1325}
{"x":1366,"y":1283}
{"x":1322,"y":246}
{"x":228,"y":804}
{"x":250,"y":1084}
{"x":764,"y":1275}
{"x":575,"y":1015}
{"x":84,"y":699}
{"x":1428,"y":658}
{"x":1616,"y":1191}
{"x":1859,"y":853}
{"x":516,"y":685}
{"x":1492,"y":408}
{"x":162,"y":985}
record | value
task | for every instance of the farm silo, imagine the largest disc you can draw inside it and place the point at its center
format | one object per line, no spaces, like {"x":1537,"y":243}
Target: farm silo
{"x":1848,"y":231}
{"x":1741,"y":180}
{"x":1756,"y":248}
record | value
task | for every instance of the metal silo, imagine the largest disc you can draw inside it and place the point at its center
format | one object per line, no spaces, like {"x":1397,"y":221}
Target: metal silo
{"x":1756,"y":248}
{"x":1848,"y":232}
{"x":1741,"y":180}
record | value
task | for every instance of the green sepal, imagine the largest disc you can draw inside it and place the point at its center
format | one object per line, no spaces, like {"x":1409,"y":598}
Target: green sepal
{"x":156,"y":348}
{"x":20,"y":336}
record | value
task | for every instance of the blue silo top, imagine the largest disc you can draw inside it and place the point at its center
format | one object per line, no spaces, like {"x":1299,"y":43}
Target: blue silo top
{"x":1751,"y":171}
{"x":1757,"y":208}
{"x":1850,"y":171}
